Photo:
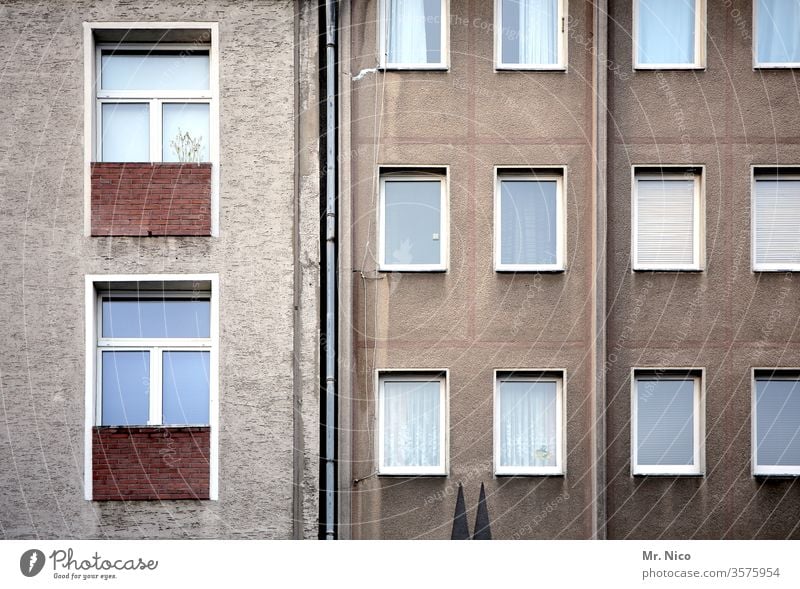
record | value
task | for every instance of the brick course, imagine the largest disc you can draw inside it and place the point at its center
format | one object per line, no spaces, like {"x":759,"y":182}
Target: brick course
{"x":151,"y":199}
{"x":142,"y":463}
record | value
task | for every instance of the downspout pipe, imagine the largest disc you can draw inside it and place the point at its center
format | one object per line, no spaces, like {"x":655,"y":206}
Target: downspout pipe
{"x":330,"y":265}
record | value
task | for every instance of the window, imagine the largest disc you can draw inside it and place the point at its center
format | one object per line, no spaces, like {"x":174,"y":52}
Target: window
{"x":667,"y":219}
{"x":776,"y":423}
{"x":669,"y":34}
{"x":529,"y":423}
{"x":777,"y":40}
{"x":153,"y":103}
{"x":529,"y":220}
{"x":412,"y":221}
{"x":667,"y":423}
{"x":412,"y":423}
{"x":776,"y":217}
{"x":153,"y":356}
{"x":414,"y":34}
{"x":531,"y":34}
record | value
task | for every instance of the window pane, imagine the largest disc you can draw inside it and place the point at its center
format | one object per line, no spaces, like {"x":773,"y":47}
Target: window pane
{"x":414,"y":31}
{"x":528,"y":224}
{"x":777,"y":218}
{"x":126,"y":132}
{"x":185,"y":388}
{"x":665,"y":428}
{"x":778,"y":31}
{"x":529,"y":32}
{"x":528,"y":435}
{"x":665,"y":222}
{"x":156,"y":318}
{"x":411,"y":423}
{"x":163,"y":70}
{"x":413,"y":222}
{"x":126,"y":388}
{"x":185,"y":136}
{"x":666,"y":31}
{"x":778,"y":422}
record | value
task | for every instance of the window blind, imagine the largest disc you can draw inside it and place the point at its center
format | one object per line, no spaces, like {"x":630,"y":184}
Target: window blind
{"x":665,"y":221}
{"x":777,"y":218}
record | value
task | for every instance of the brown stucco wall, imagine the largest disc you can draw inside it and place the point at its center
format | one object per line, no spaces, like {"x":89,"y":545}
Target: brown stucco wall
{"x":471,"y":319}
{"x":726,"y":319}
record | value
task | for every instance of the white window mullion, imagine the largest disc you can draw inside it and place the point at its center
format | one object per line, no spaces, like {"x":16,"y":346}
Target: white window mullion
{"x":156,"y":356}
{"x":155,"y":130}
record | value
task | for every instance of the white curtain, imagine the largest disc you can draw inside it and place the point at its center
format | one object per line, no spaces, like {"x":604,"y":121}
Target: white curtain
{"x":407,"y":37}
{"x":666,"y":31}
{"x":778,"y":31}
{"x":411,"y":423}
{"x":537,"y":31}
{"x":527,"y":423}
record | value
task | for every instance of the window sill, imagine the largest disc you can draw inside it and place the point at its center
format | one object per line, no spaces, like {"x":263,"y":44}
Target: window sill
{"x":670,"y":270}
{"x":530,"y":270}
{"x":508,"y":475}
{"x":412,"y":270}
{"x":414,"y":68}
{"x":777,"y":269}
{"x":691,"y":475}
{"x":668,"y":67}
{"x":776,"y":66}
{"x":776,"y":475}
{"x":560,"y":69}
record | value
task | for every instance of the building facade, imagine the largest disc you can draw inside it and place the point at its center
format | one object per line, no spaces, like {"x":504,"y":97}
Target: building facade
{"x":566,"y":252}
{"x":639,"y":345}
{"x":159,"y":210}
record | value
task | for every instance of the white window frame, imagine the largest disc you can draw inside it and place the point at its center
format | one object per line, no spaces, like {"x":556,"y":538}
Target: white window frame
{"x":155,"y":99}
{"x":95,"y":344}
{"x":532,"y":375}
{"x":670,"y":172}
{"x":758,"y":470}
{"x":562,"y":44}
{"x":700,"y":42}
{"x":766,"y":64}
{"x":698,"y":376}
{"x":768,"y":171}
{"x":414,"y":375}
{"x":92,"y":103}
{"x":544,"y":173}
{"x":415,"y":174}
{"x":383,"y":35}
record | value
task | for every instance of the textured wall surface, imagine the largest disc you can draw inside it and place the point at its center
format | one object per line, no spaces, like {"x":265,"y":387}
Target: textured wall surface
{"x":150,"y":463}
{"x":726,"y":319}
{"x":151,"y":199}
{"x":470,"y":319}
{"x":268,"y":229}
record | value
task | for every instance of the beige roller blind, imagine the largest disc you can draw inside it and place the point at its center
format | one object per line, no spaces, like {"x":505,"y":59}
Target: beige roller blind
{"x":665,"y":223}
{"x":777,"y":221}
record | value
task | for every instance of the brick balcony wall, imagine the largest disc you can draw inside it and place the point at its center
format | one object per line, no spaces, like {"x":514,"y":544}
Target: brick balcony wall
{"x":150,"y":463}
{"x":151,"y":199}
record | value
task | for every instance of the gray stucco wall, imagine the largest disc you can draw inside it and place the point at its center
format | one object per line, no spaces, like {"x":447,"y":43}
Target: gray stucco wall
{"x":45,"y":257}
{"x":471,"y":319}
{"x":727,"y":319}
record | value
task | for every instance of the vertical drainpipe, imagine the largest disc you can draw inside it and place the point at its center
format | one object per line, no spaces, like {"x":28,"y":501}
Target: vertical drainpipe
{"x":330,"y":264}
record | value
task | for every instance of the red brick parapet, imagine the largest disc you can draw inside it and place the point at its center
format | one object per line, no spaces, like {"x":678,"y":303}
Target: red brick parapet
{"x":151,"y":199}
{"x":142,"y":463}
